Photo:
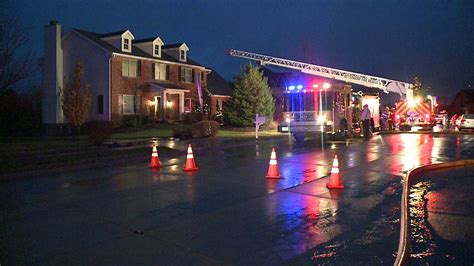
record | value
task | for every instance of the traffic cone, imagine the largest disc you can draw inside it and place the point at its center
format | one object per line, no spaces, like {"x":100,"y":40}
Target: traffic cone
{"x":155,"y":160}
{"x":273,"y":166}
{"x":190,"y":164}
{"x":335,"y":178}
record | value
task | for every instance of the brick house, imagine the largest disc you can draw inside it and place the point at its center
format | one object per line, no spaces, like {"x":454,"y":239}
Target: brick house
{"x":219,"y":90}
{"x":127,"y":76}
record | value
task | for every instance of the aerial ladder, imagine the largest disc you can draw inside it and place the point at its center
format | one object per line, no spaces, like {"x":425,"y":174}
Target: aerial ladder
{"x":323,"y":120}
{"x":386,"y":85}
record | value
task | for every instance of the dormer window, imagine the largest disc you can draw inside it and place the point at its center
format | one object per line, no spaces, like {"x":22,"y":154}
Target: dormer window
{"x":126,"y":45}
{"x":182,"y":55}
{"x":157,"y":50}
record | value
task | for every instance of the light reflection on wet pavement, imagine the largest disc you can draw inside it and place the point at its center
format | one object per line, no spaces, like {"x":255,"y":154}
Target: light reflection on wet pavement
{"x":442,"y":209}
{"x":227,"y":212}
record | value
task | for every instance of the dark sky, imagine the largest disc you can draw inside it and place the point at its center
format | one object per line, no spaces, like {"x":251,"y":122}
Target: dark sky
{"x":394,"y":39}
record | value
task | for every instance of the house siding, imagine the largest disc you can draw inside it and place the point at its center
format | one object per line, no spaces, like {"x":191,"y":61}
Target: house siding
{"x":96,"y":69}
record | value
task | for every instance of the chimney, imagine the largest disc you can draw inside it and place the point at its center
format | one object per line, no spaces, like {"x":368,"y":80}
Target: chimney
{"x":52,"y":77}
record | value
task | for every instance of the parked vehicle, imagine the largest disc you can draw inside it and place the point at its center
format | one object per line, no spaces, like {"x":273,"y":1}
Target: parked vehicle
{"x":466,"y":121}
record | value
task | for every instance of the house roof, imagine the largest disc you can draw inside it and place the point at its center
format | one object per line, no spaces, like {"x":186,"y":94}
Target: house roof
{"x":174,"y":45}
{"x":217,"y":85}
{"x":96,"y":37}
{"x":110,"y":34}
{"x":145,"y":40}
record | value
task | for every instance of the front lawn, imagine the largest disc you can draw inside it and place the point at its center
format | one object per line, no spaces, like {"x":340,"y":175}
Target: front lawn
{"x":161,"y":131}
{"x":247,"y":133}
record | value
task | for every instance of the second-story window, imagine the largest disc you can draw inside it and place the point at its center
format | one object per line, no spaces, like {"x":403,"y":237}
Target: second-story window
{"x":129,"y":68}
{"x":201,"y":74}
{"x":161,"y":72}
{"x":182,"y":55}
{"x":186,"y":74}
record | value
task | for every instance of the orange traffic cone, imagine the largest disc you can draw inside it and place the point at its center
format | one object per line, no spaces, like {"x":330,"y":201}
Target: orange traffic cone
{"x":190,"y":164}
{"x":273,"y":166}
{"x":155,"y":161}
{"x":335,"y":178}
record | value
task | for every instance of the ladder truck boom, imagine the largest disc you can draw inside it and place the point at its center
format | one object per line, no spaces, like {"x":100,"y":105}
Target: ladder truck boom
{"x":387,"y":85}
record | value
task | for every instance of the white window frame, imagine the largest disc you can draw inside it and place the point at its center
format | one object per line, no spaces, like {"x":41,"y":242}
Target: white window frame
{"x":182,"y":55}
{"x":129,"y":44}
{"x":126,"y":69}
{"x":220,"y":103}
{"x":185,"y":76}
{"x":157,"y":50}
{"x":159,"y":75}
{"x":123,"y":104}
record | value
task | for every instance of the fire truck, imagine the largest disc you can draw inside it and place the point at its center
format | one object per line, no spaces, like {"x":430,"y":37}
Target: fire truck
{"x":323,"y":108}
{"x":417,"y":112}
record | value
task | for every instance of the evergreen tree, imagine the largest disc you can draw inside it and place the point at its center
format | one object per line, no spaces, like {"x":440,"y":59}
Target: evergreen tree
{"x":251,"y":95}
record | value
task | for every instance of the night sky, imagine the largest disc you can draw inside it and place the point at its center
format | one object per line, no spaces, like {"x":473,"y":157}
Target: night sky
{"x":394,"y":39}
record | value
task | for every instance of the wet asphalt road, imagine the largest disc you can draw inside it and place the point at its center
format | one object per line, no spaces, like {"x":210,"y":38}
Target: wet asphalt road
{"x":442,"y":211}
{"x":227,"y":212}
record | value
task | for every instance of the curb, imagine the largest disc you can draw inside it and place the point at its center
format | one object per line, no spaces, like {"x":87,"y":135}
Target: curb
{"x":403,"y":254}
{"x":447,"y":133}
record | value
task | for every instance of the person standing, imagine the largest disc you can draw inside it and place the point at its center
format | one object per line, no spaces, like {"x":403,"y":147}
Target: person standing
{"x":366,"y":116}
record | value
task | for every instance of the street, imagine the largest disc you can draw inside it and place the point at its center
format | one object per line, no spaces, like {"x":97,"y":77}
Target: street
{"x":226,"y":212}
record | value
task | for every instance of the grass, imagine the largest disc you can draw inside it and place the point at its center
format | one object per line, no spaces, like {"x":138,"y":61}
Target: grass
{"x":155,"y":131}
{"x":48,"y":153}
{"x":161,"y":132}
{"x":247,"y":133}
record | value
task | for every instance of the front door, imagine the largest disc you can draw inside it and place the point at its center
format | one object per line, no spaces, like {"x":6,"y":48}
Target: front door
{"x":172,"y":106}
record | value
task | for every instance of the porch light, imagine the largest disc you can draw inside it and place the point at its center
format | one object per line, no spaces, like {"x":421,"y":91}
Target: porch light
{"x":169,"y":104}
{"x":326,"y":85}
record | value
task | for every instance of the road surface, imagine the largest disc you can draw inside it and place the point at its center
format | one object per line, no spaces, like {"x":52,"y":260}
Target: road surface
{"x":227,"y":212}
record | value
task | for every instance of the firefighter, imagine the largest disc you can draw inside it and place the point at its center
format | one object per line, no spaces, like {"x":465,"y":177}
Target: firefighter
{"x":453,"y":121}
{"x":366,"y":117}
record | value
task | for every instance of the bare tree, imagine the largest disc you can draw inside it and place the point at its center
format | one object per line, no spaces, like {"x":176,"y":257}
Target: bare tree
{"x":17,"y":62}
{"x":76,"y":98}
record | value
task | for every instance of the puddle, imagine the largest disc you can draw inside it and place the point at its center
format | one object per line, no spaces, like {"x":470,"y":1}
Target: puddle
{"x":438,"y":201}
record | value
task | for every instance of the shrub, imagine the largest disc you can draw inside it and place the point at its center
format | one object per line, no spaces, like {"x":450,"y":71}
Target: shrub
{"x":272,"y":125}
{"x":194,"y":117}
{"x":205,"y":129}
{"x":130,"y":121}
{"x":99,"y":131}
{"x":182,"y":132}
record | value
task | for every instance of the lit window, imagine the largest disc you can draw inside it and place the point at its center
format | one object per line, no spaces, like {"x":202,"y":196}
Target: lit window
{"x":160,"y":72}
{"x":129,"y":68}
{"x":130,"y":105}
{"x":187,"y":105}
{"x":186,"y":74}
